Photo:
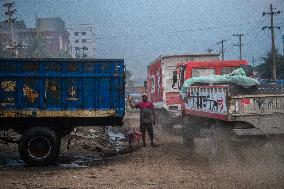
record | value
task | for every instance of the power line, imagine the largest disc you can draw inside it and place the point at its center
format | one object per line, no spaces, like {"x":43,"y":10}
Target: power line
{"x":256,"y":25}
{"x":255,"y":36}
{"x":262,"y":40}
{"x":177,"y":31}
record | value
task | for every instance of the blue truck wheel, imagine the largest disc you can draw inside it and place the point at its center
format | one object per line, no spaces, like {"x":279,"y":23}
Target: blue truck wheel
{"x":39,"y":146}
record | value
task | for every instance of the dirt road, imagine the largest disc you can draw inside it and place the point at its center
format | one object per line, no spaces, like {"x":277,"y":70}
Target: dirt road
{"x":170,"y":165}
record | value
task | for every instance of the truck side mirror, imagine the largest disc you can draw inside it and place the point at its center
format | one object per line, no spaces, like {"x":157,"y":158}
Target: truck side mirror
{"x":145,"y":84}
{"x":174,"y":78}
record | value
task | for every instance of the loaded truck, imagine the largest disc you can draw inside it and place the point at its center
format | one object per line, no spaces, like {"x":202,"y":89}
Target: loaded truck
{"x":159,"y":81}
{"x":232,"y":115}
{"x":42,"y":100}
{"x":166,"y":76}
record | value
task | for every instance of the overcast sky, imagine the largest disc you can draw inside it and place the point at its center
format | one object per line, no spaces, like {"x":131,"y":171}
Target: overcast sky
{"x":141,"y":30}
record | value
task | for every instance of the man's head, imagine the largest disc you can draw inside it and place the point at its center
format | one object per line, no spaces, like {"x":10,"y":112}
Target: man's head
{"x":144,"y":98}
{"x":247,"y":69}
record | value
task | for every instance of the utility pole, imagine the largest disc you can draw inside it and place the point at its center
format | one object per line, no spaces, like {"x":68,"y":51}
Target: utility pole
{"x":271,"y":27}
{"x":252,"y":63}
{"x":9,"y":13}
{"x":240,"y":43}
{"x":222,"y":47}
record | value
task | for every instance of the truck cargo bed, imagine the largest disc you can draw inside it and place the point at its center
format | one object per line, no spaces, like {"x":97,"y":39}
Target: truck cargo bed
{"x":261,"y":107}
{"x":62,"y":89}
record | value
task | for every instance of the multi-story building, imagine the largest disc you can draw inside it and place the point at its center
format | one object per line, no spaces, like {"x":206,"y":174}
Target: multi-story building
{"x":51,"y":29}
{"x":7,"y":37}
{"x":82,"y":41}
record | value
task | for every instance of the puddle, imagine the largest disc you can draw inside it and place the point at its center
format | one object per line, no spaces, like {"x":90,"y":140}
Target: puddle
{"x":81,"y":161}
{"x":12,"y":162}
{"x":70,"y":161}
{"x":115,"y":137}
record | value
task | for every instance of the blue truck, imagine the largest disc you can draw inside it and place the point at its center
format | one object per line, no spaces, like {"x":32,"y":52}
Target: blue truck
{"x":44,"y":99}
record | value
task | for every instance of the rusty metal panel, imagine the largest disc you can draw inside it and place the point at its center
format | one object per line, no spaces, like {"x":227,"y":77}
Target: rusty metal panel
{"x":55,"y":113}
{"x":256,"y":104}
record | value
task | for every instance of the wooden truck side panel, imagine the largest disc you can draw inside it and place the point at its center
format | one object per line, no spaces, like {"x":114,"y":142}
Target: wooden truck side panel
{"x":207,"y":101}
{"x":262,"y":111}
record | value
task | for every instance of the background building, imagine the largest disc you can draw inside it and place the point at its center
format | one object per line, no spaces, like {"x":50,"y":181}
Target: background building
{"x":82,"y":41}
{"x":52,"y":30}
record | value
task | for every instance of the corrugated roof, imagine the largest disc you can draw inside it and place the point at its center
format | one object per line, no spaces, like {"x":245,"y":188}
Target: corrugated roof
{"x":184,"y":55}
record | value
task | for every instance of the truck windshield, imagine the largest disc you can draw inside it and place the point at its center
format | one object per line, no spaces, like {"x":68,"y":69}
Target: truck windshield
{"x":197,"y":72}
{"x":228,"y":70}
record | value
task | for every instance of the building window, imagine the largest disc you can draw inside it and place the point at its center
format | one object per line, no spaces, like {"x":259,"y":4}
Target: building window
{"x":77,"y":49}
{"x":77,"y":41}
{"x":76,"y":33}
{"x":85,"y":49}
{"x":77,"y":55}
{"x":83,"y":33}
{"x":84,"y":40}
{"x":152,"y":84}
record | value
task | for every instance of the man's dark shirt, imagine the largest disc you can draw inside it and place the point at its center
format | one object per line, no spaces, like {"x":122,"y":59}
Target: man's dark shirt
{"x":146,"y":112}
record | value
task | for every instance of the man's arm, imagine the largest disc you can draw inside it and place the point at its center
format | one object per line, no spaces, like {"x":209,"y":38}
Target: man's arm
{"x":130,"y":101}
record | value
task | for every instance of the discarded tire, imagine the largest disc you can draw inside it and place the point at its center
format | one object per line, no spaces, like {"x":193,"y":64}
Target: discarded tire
{"x":39,"y":146}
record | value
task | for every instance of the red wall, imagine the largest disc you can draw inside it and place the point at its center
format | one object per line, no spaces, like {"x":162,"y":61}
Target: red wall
{"x":218,"y":65}
{"x":155,"y":71}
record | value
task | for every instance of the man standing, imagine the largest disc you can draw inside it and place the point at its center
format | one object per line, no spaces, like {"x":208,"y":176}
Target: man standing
{"x":147,"y":117}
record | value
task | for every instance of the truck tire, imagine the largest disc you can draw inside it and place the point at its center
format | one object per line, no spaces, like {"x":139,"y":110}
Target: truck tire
{"x":39,"y":146}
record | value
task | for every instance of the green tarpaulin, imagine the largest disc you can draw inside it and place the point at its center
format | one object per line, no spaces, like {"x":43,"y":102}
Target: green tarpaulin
{"x":237,"y":77}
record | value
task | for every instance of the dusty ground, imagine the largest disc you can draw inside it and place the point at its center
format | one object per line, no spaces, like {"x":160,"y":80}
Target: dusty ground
{"x":170,"y":165}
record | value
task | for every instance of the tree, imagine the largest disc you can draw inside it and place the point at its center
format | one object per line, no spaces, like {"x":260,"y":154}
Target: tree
{"x":128,"y":75}
{"x":62,"y":54}
{"x":5,"y":54}
{"x":266,"y":68}
{"x":37,"y":48}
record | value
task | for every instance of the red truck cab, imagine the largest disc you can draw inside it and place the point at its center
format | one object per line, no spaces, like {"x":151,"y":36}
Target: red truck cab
{"x":201,"y":68}
{"x":204,"y":68}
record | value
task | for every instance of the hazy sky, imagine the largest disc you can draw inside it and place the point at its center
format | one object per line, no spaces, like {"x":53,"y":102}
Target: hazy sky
{"x":141,"y":30}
